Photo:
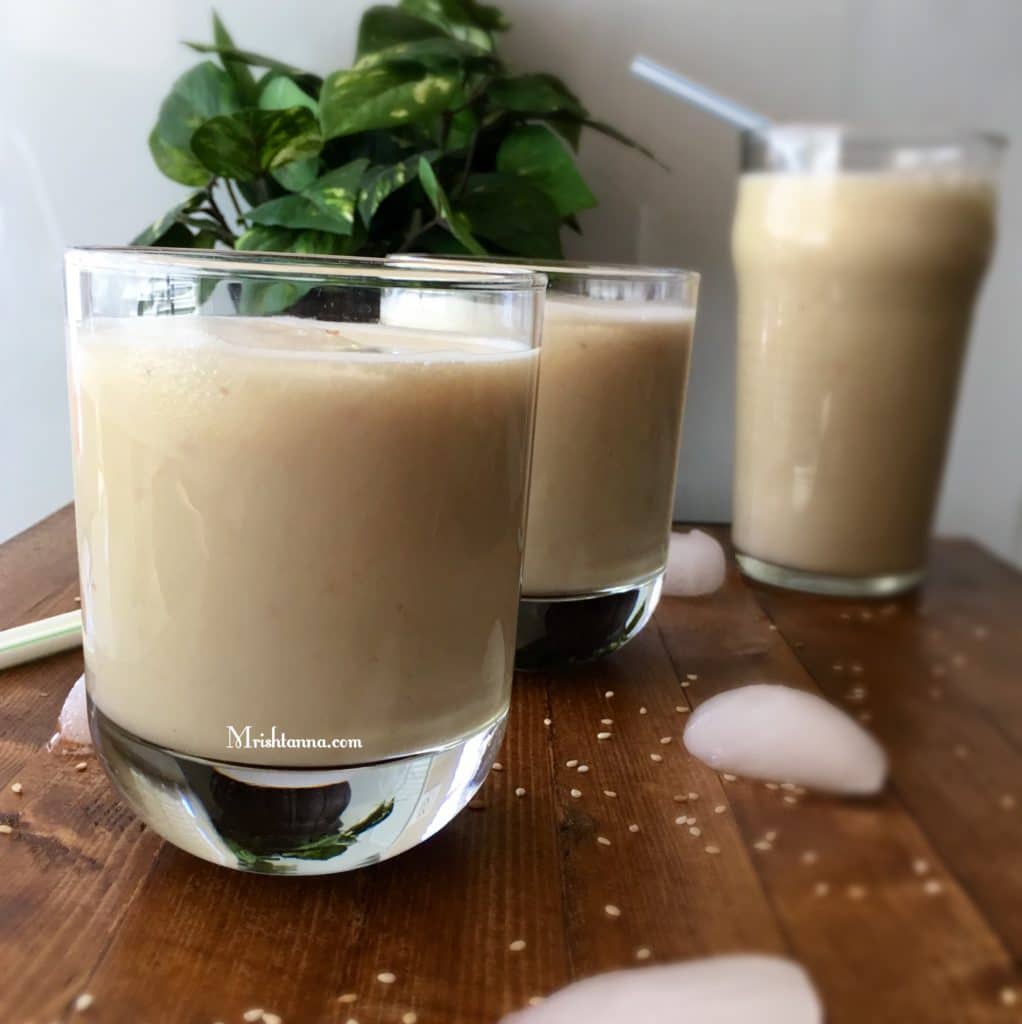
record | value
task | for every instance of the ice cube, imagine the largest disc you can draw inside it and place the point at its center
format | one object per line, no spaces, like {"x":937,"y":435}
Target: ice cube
{"x":73,"y":723}
{"x":695,"y":565}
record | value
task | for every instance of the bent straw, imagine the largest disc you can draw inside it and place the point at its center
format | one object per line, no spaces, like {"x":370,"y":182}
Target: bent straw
{"x":699,"y":95}
{"x":38,"y":639}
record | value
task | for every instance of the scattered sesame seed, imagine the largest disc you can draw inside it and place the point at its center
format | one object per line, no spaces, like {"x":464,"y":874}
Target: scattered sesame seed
{"x":611,"y":911}
{"x":16,"y":787}
{"x":411,"y":1017}
{"x":81,"y":766}
{"x":1008,"y":996}
{"x":681,"y":820}
{"x":791,"y":799}
{"x":351,"y":1020}
{"x":695,"y":830}
{"x":865,"y":615}
{"x":770,"y":835}
{"x":85,"y":1000}
{"x":546,"y":721}
{"x":933,"y":886}
{"x":656,"y":757}
{"x":682,"y":710}
{"x":270,"y":1018}
{"x":846,"y":616}
{"x":837,"y":667}
{"x":536,"y":1000}
{"x":573,"y":763}
{"x":771,"y":785}
{"x":5,"y":830}
{"x":517,"y":946}
{"x":856,"y":695}
{"x":980,"y":632}
{"x":788,"y":786}
{"x":643,"y":711}
{"x":603,"y":735}
{"x":763,"y":844}
{"x":720,"y":809}
{"x":821,"y":888}
{"x":680,"y":798}
{"x":497,"y":766}
{"x":643,"y":953}
{"x":921,"y":866}
{"x":254,"y":1014}
{"x":865,"y":716}
{"x":772,"y":627}
{"x":856,"y":892}
{"x":693,"y":796}
{"x":576,"y":793}
{"x":712,"y":848}
{"x":685,"y":684}
{"x":1007,"y":802}
{"x":692,"y":676}
{"x":856,"y":668}
{"x":633,"y":828}
{"x":606,"y":721}
{"x":609,"y":694}
{"x":520,"y":791}
{"x":664,"y":740}
{"x":958,"y":660}
{"x":728,"y":777}
{"x":603,"y":840}
{"x":386,"y":977}
{"x":348,"y":997}
{"x":583,"y":768}
{"x":610,"y":793}
{"x":809,"y":857}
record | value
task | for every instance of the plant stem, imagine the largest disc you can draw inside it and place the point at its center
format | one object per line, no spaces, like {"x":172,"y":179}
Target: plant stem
{"x":416,"y":232}
{"x":234,"y":198}
{"x":217,"y":214}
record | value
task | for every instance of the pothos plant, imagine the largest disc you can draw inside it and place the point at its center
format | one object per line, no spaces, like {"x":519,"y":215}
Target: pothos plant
{"x":429,"y":142}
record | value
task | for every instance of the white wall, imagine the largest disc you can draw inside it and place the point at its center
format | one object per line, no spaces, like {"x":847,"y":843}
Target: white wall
{"x":80,"y":84}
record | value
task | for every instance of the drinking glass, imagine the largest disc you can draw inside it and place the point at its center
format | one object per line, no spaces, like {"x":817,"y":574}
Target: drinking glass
{"x":300,"y":537}
{"x":858,"y":256}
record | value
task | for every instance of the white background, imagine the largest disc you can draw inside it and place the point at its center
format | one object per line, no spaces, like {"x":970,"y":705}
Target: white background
{"x":81,"y":80}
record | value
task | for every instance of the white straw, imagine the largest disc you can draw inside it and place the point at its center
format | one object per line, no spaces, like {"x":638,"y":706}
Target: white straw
{"x":699,"y":95}
{"x":38,"y":639}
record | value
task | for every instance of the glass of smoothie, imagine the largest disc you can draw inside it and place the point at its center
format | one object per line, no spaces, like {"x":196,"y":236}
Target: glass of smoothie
{"x":858,"y":257}
{"x":614,"y":367}
{"x":300,"y":538}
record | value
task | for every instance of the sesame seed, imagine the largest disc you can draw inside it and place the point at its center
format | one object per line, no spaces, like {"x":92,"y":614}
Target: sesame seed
{"x":611,"y":911}
{"x":685,"y":684}
{"x":348,"y":997}
{"x":1008,"y":996}
{"x":664,"y":740}
{"x":84,"y":1001}
{"x":254,"y":1014}
{"x":573,"y":763}
{"x":656,"y":757}
{"x":788,"y":786}
{"x":633,"y":828}
{"x":728,"y":777}
{"x":386,"y":977}
{"x":770,"y":835}
{"x":546,"y":721}
{"x":603,"y":840}
{"x":712,"y":848}
{"x":681,"y":710}
{"x":16,"y":787}
{"x":837,"y":667}
{"x":517,"y":946}
{"x":763,"y":844}
{"x":771,"y":785}
{"x":821,"y":888}
{"x":933,"y":886}
{"x":603,"y":735}
{"x":81,"y":766}
{"x":536,"y":1000}
{"x":643,"y":711}
{"x":846,"y":616}
{"x":856,"y":892}
{"x":681,"y":820}
{"x":772,"y":627}
{"x":693,"y":796}
{"x":610,"y":793}
{"x":695,"y":830}
{"x":270,"y":1018}
{"x":809,"y":857}
{"x":576,"y":793}
{"x":1007,"y":802}
{"x":411,"y":1017}
{"x":856,"y":695}
{"x":856,"y":668}
{"x":692,"y":676}
{"x":606,"y":721}
{"x":583,"y":768}
{"x":351,"y":1020}
{"x":609,"y":694}
{"x":520,"y":791}
{"x":921,"y":866}
{"x":791,"y":799}
{"x":643,"y":953}
{"x":680,"y":798}
{"x":497,"y":766}
{"x":5,"y":830}
{"x":865,"y":716}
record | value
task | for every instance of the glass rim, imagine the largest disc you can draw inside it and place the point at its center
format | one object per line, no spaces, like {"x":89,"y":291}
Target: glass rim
{"x":354,"y":271}
{"x":558,"y":268}
{"x":884,"y":134}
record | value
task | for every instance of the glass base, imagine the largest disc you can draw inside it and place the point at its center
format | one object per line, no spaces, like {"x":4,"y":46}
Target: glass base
{"x":822,"y":583}
{"x":307,"y":821}
{"x":558,"y":631}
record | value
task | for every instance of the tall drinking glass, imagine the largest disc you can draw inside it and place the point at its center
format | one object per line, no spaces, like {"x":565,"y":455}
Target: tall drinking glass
{"x":300,"y":538}
{"x":859,"y":257}
{"x":614,"y":367}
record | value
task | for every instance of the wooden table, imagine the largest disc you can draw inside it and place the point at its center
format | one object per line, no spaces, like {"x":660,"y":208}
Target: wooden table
{"x":907,"y":908}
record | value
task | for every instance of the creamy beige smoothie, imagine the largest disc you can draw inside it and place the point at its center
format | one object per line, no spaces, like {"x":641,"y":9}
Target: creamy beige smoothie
{"x":608,"y":429}
{"x":856,"y":292}
{"x":313,"y":528}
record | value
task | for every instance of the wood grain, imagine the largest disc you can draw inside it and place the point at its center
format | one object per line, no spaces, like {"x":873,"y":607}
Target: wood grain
{"x":90,"y":901}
